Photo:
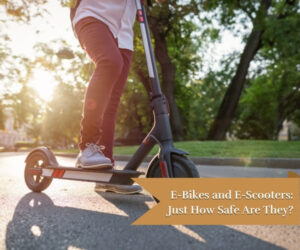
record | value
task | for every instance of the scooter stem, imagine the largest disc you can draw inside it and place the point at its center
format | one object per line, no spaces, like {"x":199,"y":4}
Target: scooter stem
{"x":151,"y":65}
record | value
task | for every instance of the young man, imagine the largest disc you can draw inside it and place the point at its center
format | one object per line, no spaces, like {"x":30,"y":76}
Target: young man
{"x":105,"y":31}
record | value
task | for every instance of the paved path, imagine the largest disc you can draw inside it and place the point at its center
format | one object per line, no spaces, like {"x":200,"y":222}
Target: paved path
{"x":70,"y":215}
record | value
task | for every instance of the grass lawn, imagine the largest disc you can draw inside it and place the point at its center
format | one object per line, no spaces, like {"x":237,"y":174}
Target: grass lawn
{"x":242,"y":148}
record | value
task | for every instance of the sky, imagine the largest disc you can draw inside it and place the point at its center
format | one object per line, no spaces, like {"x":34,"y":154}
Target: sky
{"x":57,"y":25}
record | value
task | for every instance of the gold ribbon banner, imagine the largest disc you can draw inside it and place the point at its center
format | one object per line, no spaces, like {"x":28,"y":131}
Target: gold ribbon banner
{"x":222,"y":201}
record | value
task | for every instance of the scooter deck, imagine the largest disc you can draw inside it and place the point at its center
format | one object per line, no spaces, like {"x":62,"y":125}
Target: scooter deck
{"x":93,"y":175}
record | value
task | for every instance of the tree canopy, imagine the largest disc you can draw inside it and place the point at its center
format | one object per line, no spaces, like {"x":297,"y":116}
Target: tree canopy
{"x":246,"y":94}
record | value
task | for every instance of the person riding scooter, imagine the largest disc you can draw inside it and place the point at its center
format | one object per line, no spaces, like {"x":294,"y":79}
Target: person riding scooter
{"x":105,"y":31}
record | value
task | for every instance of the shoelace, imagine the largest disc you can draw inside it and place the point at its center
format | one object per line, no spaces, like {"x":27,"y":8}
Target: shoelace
{"x":94,"y":147}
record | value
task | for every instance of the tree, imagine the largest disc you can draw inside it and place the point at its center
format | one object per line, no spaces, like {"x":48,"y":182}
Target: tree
{"x":71,"y":69}
{"x":258,"y":16}
{"x":204,"y":99}
{"x":62,"y":117}
{"x":17,"y":94}
{"x":274,"y":92}
{"x":230,"y":100}
{"x":22,"y":11}
{"x":281,"y":50}
{"x":15,"y":70}
{"x":167,"y":22}
{"x":134,"y":112}
{"x":265,"y":105}
{"x":174,"y":45}
{"x":181,"y":30}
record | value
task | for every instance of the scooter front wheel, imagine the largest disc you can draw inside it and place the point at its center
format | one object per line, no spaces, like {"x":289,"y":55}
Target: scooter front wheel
{"x":182,"y":167}
{"x":33,"y":169}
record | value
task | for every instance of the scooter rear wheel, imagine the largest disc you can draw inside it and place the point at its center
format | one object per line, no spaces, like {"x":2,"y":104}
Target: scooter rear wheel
{"x":183,"y":167}
{"x":32,"y":173}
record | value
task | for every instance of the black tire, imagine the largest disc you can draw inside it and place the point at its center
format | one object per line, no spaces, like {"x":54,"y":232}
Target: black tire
{"x":183,"y":167}
{"x":35,"y":182}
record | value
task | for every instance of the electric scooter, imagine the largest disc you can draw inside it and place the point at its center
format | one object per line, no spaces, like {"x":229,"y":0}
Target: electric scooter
{"x":42,"y":167}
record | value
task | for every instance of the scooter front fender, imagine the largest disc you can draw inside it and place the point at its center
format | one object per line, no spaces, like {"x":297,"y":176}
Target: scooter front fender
{"x":166,"y":156}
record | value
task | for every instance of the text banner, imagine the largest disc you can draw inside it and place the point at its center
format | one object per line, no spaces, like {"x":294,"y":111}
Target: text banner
{"x":222,"y":201}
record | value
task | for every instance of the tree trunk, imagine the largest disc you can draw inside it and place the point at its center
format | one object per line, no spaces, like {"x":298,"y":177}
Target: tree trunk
{"x":168,"y":78}
{"x":230,"y":101}
{"x":287,"y":105}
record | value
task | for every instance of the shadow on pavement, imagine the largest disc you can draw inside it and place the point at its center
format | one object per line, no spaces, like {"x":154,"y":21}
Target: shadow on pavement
{"x":39,"y":224}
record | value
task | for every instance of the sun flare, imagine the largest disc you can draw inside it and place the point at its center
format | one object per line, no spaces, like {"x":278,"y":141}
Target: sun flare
{"x":43,"y":83}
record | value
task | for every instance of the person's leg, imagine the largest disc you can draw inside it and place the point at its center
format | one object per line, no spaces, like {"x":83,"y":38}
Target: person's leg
{"x":110,"y":115}
{"x":100,"y":45}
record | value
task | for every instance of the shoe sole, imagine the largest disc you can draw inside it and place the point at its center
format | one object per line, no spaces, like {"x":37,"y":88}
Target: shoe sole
{"x":98,"y":166}
{"x":119,"y":189}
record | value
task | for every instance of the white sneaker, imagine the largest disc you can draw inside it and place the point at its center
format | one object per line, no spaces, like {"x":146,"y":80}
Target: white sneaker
{"x":92,"y":158}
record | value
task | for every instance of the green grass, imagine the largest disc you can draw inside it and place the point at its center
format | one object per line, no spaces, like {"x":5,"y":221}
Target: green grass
{"x":242,"y":148}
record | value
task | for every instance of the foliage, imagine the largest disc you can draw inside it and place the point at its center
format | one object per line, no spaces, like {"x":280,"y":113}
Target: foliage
{"x":134,"y":112}
{"x":26,"y":105}
{"x":61,"y":123}
{"x":182,"y":31}
{"x":274,"y":93}
{"x":182,"y":44}
{"x":71,"y":69}
{"x":23,"y":11}
{"x":258,"y":116}
{"x":275,"y":62}
{"x":24,"y":144}
{"x":16,"y":72}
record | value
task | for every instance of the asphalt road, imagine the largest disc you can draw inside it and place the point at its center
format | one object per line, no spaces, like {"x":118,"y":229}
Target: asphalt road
{"x":70,"y":215}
